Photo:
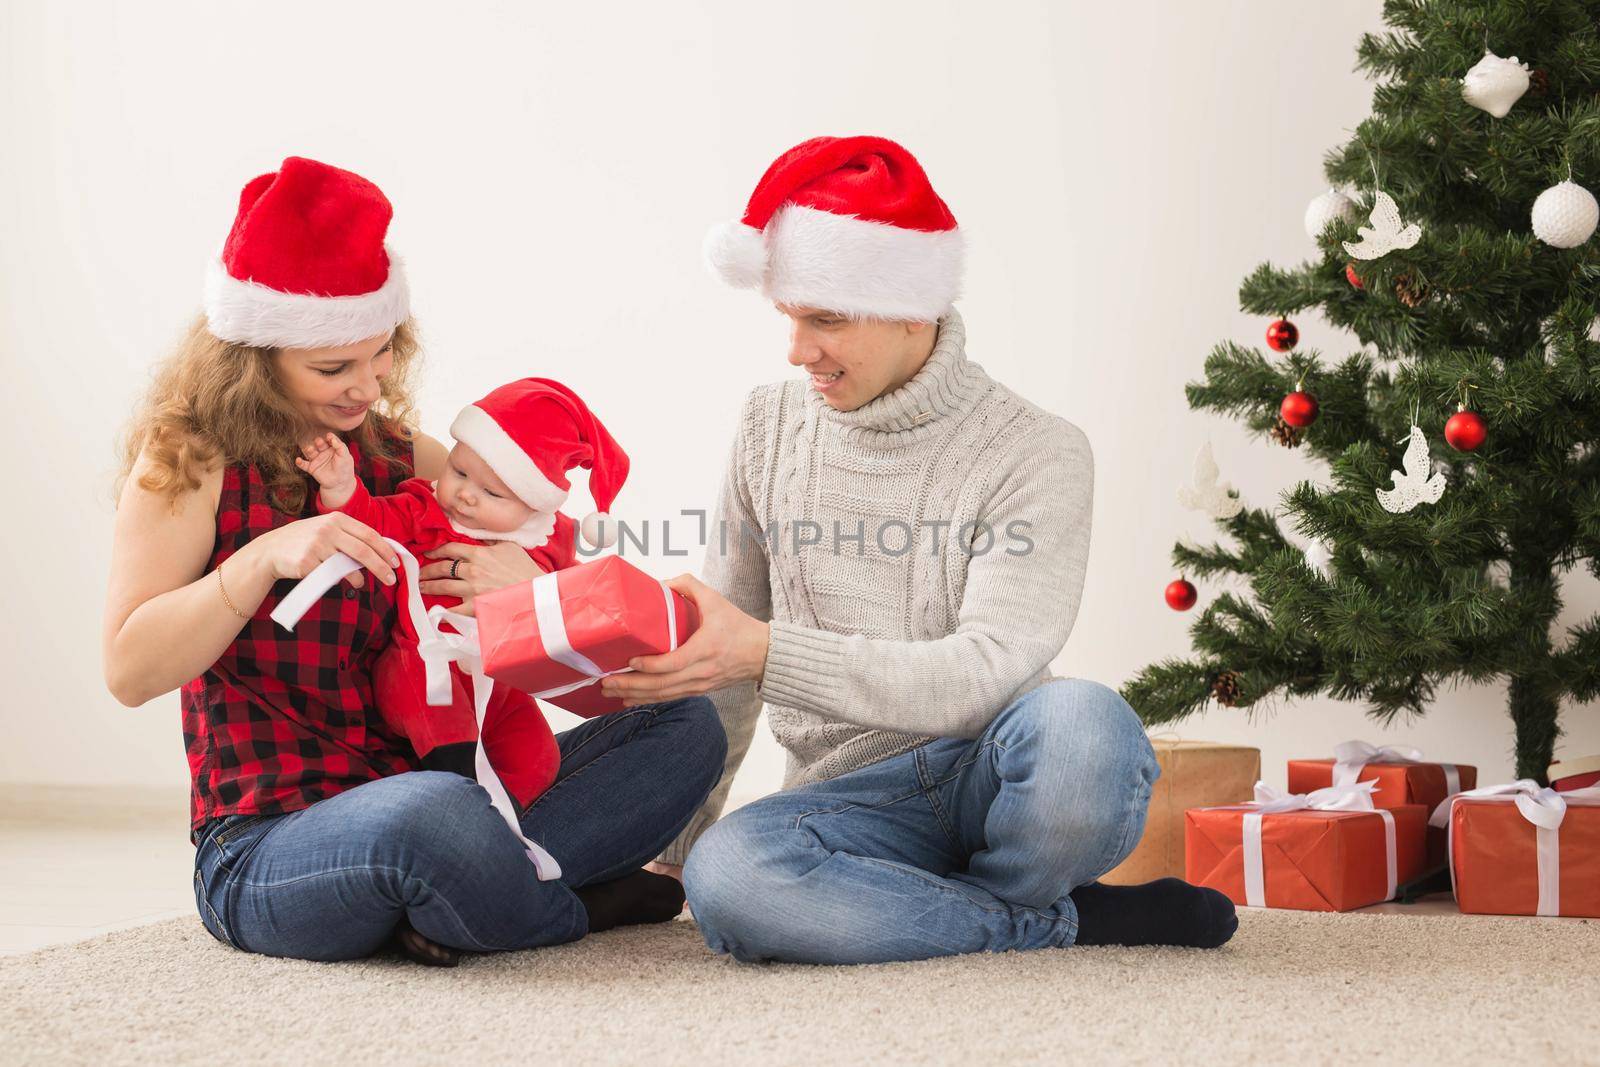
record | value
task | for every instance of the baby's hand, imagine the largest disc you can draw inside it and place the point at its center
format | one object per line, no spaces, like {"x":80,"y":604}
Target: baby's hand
{"x":330,"y":463}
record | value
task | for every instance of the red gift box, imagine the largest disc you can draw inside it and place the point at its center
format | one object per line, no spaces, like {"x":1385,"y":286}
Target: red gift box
{"x":550,"y":636}
{"x":1305,"y":858}
{"x":1571,"y":774}
{"x":1402,"y":775}
{"x":1519,"y":849}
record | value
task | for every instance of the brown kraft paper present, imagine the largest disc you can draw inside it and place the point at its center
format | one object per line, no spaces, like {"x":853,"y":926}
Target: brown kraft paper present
{"x":1194,"y":774}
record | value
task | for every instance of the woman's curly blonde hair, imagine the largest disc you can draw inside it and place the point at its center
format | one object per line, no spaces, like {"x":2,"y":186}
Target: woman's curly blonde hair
{"x":214,"y":401}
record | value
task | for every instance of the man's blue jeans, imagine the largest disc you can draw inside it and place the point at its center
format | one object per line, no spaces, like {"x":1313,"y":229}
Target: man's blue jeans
{"x":330,"y":882}
{"x":957,"y":846}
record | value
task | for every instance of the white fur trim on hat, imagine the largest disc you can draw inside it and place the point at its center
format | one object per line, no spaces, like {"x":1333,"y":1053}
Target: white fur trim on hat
{"x":736,"y":253}
{"x":247,"y":313}
{"x":856,"y":267}
{"x":598,"y":529}
{"x":477,"y":429}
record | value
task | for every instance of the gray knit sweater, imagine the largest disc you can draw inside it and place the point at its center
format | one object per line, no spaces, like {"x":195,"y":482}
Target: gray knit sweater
{"x":920,"y":558}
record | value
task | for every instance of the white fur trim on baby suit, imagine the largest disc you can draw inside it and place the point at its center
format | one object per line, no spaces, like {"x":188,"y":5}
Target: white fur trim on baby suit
{"x":846,"y":264}
{"x":477,"y":429}
{"x":531,"y":534}
{"x":247,"y":313}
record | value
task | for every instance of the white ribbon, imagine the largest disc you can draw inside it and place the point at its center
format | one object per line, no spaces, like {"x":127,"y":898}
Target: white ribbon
{"x":1351,"y":796}
{"x":1541,"y":806}
{"x":437,"y":649}
{"x":1351,"y":758}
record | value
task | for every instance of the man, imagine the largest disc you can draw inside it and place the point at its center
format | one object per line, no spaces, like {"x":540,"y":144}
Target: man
{"x":898,"y":554}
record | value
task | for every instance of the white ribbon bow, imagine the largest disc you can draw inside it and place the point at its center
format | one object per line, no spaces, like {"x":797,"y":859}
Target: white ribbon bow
{"x":1541,"y":806}
{"x":437,"y":649}
{"x":1351,"y":757}
{"x":1350,"y":796}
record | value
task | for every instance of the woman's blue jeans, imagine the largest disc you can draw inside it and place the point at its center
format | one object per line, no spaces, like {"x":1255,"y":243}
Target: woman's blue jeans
{"x":331,"y":882}
{"x":957,"y":846}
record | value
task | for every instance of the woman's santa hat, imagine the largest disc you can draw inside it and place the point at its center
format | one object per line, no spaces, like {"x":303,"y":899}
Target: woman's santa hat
{"x":305,"y":265}
{"x":531,"y":432}
{"x":847,"y":224}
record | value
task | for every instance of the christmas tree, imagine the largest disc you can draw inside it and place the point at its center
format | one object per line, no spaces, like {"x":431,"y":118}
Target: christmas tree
{"x":1434,"y":557}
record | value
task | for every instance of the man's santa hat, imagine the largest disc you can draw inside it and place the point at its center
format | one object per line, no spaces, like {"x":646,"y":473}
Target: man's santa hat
{"x":847,"y":224}
{"x":531,"y":432}
{"x":305,"y":265}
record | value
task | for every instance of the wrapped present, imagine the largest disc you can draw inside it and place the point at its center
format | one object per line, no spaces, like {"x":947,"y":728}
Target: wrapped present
{"x":1523,"y":849}
{"x":1571,"y":774}
{"x":1402,"y":774}
{"x":1329,"y":850}
{"x":555,"y":636}
{"x":1194,"y":774}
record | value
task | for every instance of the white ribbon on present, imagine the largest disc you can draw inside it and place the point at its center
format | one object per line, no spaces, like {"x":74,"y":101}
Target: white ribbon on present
{"x":1541,"y":806}
{"x":1352,"y":757}
{"x":438,"y":650}
{"x":1349,"y":796}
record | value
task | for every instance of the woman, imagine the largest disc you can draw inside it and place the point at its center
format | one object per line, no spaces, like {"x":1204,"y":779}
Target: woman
{"x":317,"y":835}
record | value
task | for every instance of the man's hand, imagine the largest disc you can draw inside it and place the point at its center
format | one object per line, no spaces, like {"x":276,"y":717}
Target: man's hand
{"x":330,"y":463}
{"x":729,"y":647}
{"x":671,"y":870}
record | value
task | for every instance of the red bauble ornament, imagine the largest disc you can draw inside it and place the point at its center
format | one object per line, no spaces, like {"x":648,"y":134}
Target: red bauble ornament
{"x":1299,"y":409}
{"x":1181,"y":595}
{"x":1282,"y":335}
{"x":1352,"y":277}
{"x":1465,"y":430}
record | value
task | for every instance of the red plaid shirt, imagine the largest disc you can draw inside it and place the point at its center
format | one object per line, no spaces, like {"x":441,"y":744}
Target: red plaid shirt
{"x":280,"y":720}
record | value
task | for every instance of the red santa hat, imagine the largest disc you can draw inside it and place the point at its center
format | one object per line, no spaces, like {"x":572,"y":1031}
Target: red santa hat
{"x":848,"y":224}
{"x":305,"y":265}
{"x":531,"y":432}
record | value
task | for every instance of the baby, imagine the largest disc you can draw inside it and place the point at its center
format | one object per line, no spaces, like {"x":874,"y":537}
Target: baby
{"x":504,"y":480}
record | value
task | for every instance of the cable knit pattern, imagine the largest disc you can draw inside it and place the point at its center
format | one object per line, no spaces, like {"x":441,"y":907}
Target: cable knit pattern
{"x":876,"y":650}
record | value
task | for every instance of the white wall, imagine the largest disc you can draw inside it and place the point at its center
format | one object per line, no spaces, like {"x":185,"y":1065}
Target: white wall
{"x":1118,"y":169}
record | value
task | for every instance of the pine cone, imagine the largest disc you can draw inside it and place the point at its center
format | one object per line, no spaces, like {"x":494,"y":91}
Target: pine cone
{"x":1410,"y":291}
{"x":1286,"y":435}
{"x":1226,"y":688}
{"x":1538,"y":82}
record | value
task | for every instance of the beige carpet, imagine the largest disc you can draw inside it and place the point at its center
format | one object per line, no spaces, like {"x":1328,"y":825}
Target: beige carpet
{"x":1293,"y":987}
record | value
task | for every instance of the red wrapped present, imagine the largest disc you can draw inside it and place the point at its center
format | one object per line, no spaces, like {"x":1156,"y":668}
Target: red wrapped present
{"x":555,"y":636}
{"x":1330,"y":850}
{"x":1571,"y":774}
{"x":1522,"y":849}
{"x":1403,"y":777}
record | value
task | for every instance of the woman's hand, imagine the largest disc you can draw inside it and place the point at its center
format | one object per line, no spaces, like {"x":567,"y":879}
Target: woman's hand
{"x":295,"y":549}
{"x":729,"y":647}
{"x":482,"y":569}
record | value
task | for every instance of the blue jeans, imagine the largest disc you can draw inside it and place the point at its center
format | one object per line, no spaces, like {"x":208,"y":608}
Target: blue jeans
{"x":957,"y":846}
{"x":331,"y":881}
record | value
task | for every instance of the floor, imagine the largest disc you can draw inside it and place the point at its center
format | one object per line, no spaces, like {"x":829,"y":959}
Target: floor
{"x":77,"y":863}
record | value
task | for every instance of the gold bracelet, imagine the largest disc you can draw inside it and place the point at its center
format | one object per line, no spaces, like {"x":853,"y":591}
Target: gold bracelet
{"x":226,"y":599}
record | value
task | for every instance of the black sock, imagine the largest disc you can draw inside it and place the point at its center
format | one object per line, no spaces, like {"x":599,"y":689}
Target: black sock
{"x":640,"y":897}
{"x":460,"y":758}
{"x":1168,"y":911}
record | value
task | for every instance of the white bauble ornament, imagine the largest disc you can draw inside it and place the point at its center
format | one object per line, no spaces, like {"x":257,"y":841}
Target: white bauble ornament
{"x":1386,"y":233}
{"x":1319,"y":557}
{"x":1215,"y":499}
{"x":1494,"y":84}
{"x":1594,"y":329}
{"x":1331,"y":206}
{"x":1564,"y":215}
{"x":1420,"y":484}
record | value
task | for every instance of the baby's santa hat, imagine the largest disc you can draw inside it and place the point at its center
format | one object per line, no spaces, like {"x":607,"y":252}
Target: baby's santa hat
{"x":305,"y":265}
{"x":848,"y":224}
{"x":531,"y":432}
